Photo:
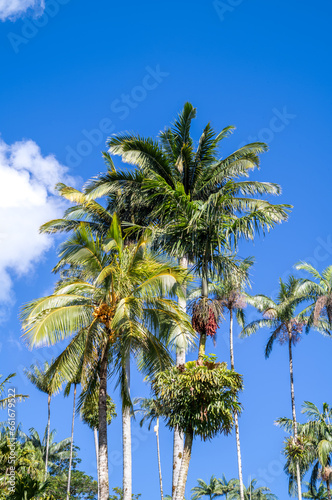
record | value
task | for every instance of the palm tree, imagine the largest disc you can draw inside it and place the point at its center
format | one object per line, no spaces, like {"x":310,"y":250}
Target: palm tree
{"x":74,"y":382}
{"x":320,"y":293}
{"x":151,"y":413}
{"x":4,"y":402}
{"x":252,"y":493}
{"x":114,"y":311}
{"x":38,"y":376}
{"x":230,"y":294}
{"x":47,"y":446}
{"x":227,"y":486}
{"x":314,"y":493}
{"x":287,"y":327}
{"x":212,"y":490}
{"x":319,"y":431}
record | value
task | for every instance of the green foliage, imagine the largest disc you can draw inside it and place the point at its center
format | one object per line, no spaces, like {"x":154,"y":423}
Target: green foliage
{"x":90,"y":410}
{"x":29,"y":467}
{"x":82,"y":486}
{"x":118,"y":494}
{"x":319,"y":292}
{"x":313,"y":447}
{"x":10,"y":398}
{"x":135,"y":290}
{"x":199,"y":397}
{"x":314,"y":493}
{"x":281,"y":315}
{"x":212,"y":490}
{"x":251,"y":492}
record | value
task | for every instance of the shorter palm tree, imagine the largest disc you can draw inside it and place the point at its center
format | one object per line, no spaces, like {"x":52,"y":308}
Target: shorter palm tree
{"x":314,"y":493}
{"x":287,"y":326}
{"x":319,"y":431}
{"x":228,"y":486}
{"x":151,"y":413}
{"x":251,"y":492}
{"x":9,"y":399}
{"x":54,"y":451}
{"x":212,"y":490}
{"x":39,"y":377}
{"x":320,"y":291}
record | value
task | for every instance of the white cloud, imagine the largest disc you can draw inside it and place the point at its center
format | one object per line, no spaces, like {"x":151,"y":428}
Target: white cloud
{"x":27,"y":200}
{"x":10,"y":9}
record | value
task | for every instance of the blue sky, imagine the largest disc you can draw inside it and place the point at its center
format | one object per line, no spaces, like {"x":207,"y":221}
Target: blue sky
{"x":73,"y":72}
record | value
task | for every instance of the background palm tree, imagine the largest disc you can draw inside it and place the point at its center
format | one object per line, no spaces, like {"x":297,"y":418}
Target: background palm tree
{"x":4,"y":401}
{"x":49,"y":449}
{"x":212,"y":490}
{"x":314,"y":493}
{"x":151,"y":413}
{"x":251,"y":492}
{"x":319,"y":430}
{"x":287,"y":327}
{"x":229,"y":293}
{"x":39,"y":377}
{"x":228,"y":486}
{"x":75,"y":381}
{"x":320,"y":293}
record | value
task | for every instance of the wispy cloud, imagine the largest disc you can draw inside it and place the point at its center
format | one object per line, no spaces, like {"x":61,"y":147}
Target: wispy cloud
{"x":27,"y":200}
{"x":11,"y":9}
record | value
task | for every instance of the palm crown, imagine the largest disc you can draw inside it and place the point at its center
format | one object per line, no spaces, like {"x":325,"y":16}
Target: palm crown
{"x":183,"y":187}
{"x":320,"y":293}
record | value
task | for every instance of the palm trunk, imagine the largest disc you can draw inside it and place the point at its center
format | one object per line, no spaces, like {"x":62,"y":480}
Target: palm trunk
{"x":71,"y":444}
{"x":205,"y":293}
{"x":159,"y":464}
{"x":48,"y":433}
{"x":126,"y":442}
{"x":298,"y":474}
{"x":236,"y":420}
{"x":178,"y":436}
{"x":328,"y":489}
{"x":95,"y":435}
{"x":181,"y":486}
{"x":102,"y":451}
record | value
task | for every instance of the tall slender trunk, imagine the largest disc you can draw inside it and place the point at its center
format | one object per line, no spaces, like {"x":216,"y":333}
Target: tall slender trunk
{"x":156,"y":429}
{"x":236,"y":419}
{"x":102,"y":451}
{"x":126,"y":442}
{"x":48,"y":433}
{"x":71,"y":444}
{"x":180,"y":360}
{"x":328,"y":489}
{"x":181,"y":486}
{"x":205,"y":293}
{"x":95,"y":435}
{"x":298,"y":474}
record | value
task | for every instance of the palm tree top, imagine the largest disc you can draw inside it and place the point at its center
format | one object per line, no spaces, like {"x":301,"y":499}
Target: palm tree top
{"x":176,"y":177}
{"x":213,"y":489}
{"x":41,"y":379}
{"x":280,"y":314}
{"x":319,"y":290}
